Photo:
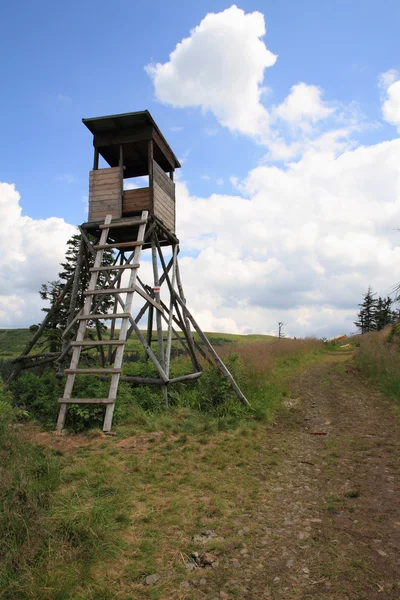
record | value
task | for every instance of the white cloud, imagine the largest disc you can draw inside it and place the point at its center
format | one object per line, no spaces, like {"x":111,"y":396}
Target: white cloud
{"x":220,"y":181}
{"x":219,"y":68}
{"x":66,"y":178}
{"x":390,"y":81}
{"x":30,"y":250}
{"x":386,"y":79}
{"x":303,"y":106}
{"x":300,"y":245}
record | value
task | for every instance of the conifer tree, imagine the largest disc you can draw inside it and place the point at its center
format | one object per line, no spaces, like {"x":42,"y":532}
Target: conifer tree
{"x":375,"y":314}
{"x":51,"y":291}
{"x":385,"y":315}
{"x":366,"y":320}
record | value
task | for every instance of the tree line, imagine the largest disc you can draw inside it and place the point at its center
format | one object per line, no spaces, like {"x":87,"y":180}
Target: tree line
{"x":375,"y":313}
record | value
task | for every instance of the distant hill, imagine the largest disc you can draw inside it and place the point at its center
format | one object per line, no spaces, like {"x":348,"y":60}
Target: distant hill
{"x":13,"y":341}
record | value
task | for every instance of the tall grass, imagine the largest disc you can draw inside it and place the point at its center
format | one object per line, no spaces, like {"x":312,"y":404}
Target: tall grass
{"x":267,"y":367}
{"x":378,"y":358}
{"x":49,"y":519}
{"x":259,"y":368}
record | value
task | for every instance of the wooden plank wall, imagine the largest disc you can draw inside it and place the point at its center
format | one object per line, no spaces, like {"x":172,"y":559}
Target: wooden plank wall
{"x":165,"y":183}
{"x":105,"y":190}
{"x":164,"y":207}
{"x":135,"y":201}
{"x":164,"y":197}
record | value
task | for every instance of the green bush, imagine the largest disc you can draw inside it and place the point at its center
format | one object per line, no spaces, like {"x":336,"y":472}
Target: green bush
{"x":38,"y":394}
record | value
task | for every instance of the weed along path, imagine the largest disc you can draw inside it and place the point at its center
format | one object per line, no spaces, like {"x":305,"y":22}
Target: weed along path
{"x":305,"y":508}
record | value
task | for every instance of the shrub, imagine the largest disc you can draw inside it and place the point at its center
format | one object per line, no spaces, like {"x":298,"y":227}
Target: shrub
{"x":378,"y":358}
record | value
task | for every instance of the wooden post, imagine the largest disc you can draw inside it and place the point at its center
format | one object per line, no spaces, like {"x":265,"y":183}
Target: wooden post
{"x":74,"y":294}
{"x":96,"y":159}
{"x":183,"y":298}
{"x":150,"y":158}
{"x":215,"y":356}
{"x":171,"y":313}
{"x":183,"y":325}
{"x":121,"y":174}
{"x":75,"y":285}
{"x":14,"y":373}
{"x":112,"y":329}
{"x":158,"y":314}
{"x":149,"y":327}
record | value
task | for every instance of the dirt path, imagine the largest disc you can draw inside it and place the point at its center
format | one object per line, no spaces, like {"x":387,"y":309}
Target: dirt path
{"x":327,"y":524}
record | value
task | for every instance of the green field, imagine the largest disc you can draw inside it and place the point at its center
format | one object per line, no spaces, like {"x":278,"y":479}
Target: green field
{"x":12,"y":341}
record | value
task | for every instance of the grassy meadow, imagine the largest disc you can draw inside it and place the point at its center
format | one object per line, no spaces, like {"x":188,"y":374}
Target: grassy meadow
{"x":88,"y":516}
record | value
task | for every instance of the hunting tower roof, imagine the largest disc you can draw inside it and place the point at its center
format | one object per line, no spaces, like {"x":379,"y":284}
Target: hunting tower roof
{"x":133,"y":131}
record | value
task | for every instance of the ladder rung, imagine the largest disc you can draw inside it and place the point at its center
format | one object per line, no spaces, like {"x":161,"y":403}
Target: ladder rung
{"x":86,"y":401}
{"x":105,"y":317}
{"x":92,"y":371}
{"x":99,"y":343}
{"x":117,"y":245}
{"x":124,"y":223}
{"x":114,"y":267}
{"x":109,"y":291}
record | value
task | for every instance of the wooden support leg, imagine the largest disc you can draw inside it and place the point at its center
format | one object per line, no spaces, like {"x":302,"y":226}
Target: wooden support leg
{"x":171,"y":314}
{"x":212,"y":352}
{"x":161,"y":357}
{"x":149,"y":327}
{"x":15,"y":372}
{"x":183,"y":323}
{"x":61,"y":417}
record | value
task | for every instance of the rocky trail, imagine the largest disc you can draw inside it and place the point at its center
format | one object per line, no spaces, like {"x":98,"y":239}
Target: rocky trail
{"x":327,"y":522}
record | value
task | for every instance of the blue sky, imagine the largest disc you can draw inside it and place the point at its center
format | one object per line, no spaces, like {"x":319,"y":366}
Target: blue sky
{"x":64,"y":61}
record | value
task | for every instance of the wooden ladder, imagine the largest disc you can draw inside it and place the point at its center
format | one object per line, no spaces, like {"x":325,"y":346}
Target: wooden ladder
{"x":86,"y":316}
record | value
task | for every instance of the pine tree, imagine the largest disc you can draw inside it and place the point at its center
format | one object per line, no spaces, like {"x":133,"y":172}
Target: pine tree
{"x":51,"y":290}
{"x":366,"y":321}
{"x":386,"y":315}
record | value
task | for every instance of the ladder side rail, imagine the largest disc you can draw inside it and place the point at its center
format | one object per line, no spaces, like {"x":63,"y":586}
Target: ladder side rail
{"x":119,"y":353}
{"x":76,"y":353}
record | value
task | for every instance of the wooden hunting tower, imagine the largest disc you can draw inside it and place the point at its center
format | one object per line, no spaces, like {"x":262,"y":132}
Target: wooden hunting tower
{"x":133,"y":146}
{"x":126,"y":222}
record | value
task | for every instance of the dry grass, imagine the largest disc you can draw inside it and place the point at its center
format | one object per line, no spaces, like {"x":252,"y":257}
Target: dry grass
{"x":378,"y":358}
{"x":261,"y":356}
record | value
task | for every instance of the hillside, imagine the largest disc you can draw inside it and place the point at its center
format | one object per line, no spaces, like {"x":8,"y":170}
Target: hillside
{"x":12,"y":341}
{"x":296,"y":498}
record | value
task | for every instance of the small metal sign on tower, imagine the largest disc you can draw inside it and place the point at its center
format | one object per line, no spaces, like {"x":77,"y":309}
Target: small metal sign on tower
{"x":130,"y":223}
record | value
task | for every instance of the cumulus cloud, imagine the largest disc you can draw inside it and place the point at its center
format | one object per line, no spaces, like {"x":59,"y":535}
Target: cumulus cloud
{"x":299,"y":244}
{"x":303,"y":106}
{"x":30,"y":250}
{"x":220,"y":68}
{"x":390,"y":82}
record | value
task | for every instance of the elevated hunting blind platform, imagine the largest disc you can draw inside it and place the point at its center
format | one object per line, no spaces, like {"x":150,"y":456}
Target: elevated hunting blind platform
{"x":124,"y":221}
{"x":133,"y":147}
